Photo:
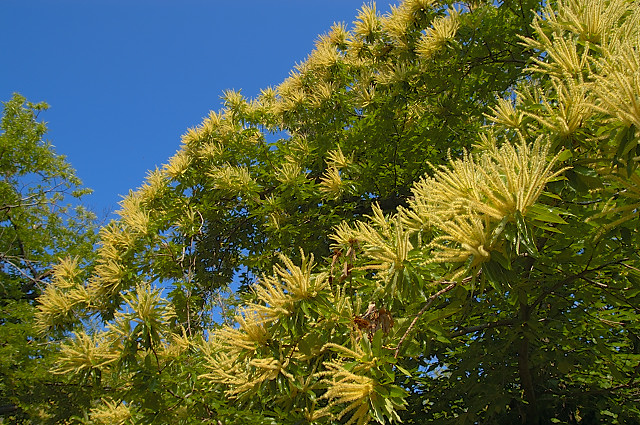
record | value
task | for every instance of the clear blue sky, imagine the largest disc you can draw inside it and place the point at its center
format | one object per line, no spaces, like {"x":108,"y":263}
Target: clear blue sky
{"x":126,"y":78}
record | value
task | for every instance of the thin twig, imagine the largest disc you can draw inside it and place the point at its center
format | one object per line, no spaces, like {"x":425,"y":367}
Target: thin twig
{"x":430,"y":301}
{"x":472,"y":329}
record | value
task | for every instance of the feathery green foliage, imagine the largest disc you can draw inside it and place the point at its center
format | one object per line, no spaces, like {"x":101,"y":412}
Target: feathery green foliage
{"x":37,"y":226}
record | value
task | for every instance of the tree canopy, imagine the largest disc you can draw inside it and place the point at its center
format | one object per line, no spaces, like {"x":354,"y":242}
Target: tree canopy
{"x":433,"y":219}
{"x":38,"y":222}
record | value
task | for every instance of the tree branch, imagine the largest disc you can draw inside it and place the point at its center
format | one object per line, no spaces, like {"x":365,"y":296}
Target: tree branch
{"x":430,"y":301}
{"x":490,"y":325}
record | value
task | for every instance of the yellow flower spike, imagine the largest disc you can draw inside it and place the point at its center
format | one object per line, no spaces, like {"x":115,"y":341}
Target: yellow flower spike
{"x":442,"y":30}
{"x":367,"y":22}
{"x":115,"y":239}
{"x":590,"y":20}
{"x":84,"y":354}
{"x":393,"y":74}
{"x":260,"y":370}
{"x":497,"y":183}
{"x":211,"y":124}
{"x":357,"y":353}
{"x":191,"y":137}
{"x":365,"y":95}
{"x":107,"y":278}
{"x":573,"y":106}
{"x":462,"y":238}
{"x":375,"y":245}
{"x":289,"y":284}
{"x":55,"y":307}
{"x":506,"y":114}
{"x":267,"y":98}
{"x":379,"y":220}
{"x":276,"y":301}
{"x":153,"y":186}
{"x":133,"y":214}
{"x":565,"y":59}
{"x":288,"y":172}
{"x":324,"y":56}
{"x":300,"y":146}
{"x":338,"y":35}
{"x":618,"y":86}
{"x":396,"y":24}
{"x":344,"y":236}
{"x":390,"y":251}
{"x":323,"y":91}
{"x":623,"y":212}
{"x":177,"y":165}
{"x":384,"y":240}
{"x":290,"y":100}
{"x":331,"y":183}
{"x":417,"y":6}
{"x":290,"y":85}
{"x":251,"y":333}
{"x":234,"y":101}
{"x":352,"y":389}
{"x":212,"y":151}
{"x":110,"y":413}
{"x":149,"y":309}
{"x":462,"y":204}
{"x":65,"y":272}
{"x":120,"y":327}
{"x":355,"y":50}
{"x":228,"y":177}
{"x":241,"y":375}
{"x":79,"y":295}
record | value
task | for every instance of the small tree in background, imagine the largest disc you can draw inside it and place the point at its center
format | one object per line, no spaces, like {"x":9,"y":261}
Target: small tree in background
{"x":37,"y":227}
{"x":465,"y":258}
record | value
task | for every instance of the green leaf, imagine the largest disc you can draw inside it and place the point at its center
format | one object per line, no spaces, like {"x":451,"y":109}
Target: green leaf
{"x":403,"y":370}
{"x":495,"y":274}
{"x":545,"y":213}
{"x":525,"y":236}
{"x":564,"y":155}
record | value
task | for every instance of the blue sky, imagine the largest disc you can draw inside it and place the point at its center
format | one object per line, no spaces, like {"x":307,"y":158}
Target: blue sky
{"x":125,"y":79}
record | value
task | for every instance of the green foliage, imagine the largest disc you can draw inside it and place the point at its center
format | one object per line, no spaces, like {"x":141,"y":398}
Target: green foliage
{"x":474,"y":225}
{"x":357,"y":122}
{"x":36,"y":227}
